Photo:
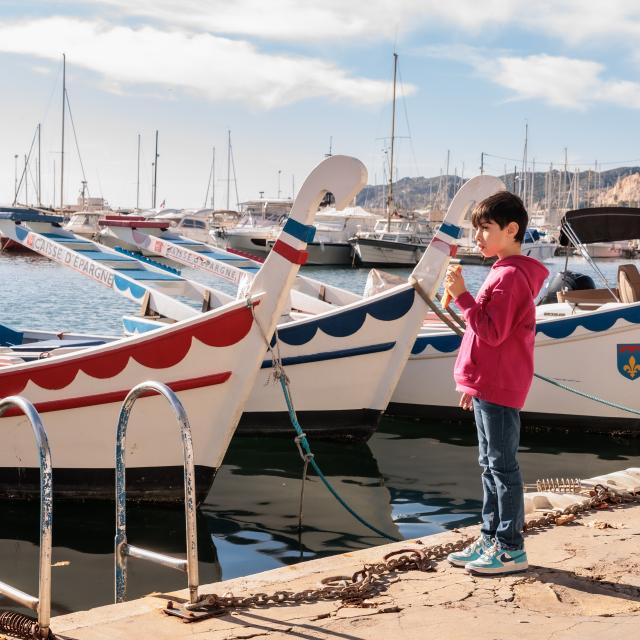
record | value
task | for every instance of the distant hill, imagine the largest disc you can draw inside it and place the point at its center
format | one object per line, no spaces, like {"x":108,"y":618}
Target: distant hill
{"x":550,"y":190}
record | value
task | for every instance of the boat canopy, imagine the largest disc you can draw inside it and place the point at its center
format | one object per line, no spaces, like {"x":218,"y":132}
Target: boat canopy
{"x":601,"y":224}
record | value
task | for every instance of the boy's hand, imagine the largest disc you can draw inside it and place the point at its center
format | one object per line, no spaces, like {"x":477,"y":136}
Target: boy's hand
{"x":454,"y":281}
{"x":466,"y":402}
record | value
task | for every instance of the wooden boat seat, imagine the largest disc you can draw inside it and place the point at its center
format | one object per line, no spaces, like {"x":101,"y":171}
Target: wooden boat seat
{"x":587,"y":296}
{"x":629,"y":283}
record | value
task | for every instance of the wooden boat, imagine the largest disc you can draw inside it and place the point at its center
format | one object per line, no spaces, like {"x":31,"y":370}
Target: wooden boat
{"x":343,"y":353}
{"x":585,"y":341}
{"x":590,"y":341}
{"x":210,"y":359}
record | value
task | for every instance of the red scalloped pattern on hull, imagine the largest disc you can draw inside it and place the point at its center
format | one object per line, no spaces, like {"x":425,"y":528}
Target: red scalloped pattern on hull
{"x":65,"y":404}
{"x":160,"y":351}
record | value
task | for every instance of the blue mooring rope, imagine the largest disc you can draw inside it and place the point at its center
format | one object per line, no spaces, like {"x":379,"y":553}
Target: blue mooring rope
{"x":302,"y":439}
{"x":589,"y":396}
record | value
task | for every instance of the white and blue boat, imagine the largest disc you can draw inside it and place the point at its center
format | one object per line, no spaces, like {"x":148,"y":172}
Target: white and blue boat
{"x":209,"y":359}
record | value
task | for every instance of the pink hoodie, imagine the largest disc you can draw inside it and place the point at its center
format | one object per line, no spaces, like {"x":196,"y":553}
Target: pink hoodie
{"x":495,"y":361}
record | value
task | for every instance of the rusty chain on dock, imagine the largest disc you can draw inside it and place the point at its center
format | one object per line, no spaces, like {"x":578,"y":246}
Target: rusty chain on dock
{"x":373,"y":579}
{"x":367,"y":582}
{"x":19,"y":625}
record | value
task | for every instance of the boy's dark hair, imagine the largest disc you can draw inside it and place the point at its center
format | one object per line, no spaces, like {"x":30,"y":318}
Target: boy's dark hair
{"x":502,"y":208}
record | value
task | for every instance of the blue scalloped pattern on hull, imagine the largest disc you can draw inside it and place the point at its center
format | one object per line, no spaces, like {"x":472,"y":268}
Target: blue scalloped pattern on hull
{"x":123,"y":285}
{"x":557,"y":329}
{"x":346,"y":323}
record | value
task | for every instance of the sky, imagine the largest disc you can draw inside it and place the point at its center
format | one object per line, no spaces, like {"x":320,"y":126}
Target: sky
{"x":292,"y":80}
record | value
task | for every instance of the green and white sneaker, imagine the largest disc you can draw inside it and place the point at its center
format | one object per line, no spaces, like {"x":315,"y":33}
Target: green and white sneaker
{"x":497,"y":561}
{"x":473,"y":552}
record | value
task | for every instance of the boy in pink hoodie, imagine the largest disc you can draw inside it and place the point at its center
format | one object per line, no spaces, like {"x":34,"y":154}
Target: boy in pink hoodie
{"x":493,"y":372}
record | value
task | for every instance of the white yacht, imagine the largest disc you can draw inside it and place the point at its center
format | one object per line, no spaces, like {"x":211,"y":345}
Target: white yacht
{"x":330,"y":244}
{"x":85,"y":223}
{"x":260,"y":221}
{"x":536,"y":244}
{"x":396,"y":242}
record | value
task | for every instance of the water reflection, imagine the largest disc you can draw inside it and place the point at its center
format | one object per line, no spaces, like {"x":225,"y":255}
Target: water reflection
{"x":412,"y":479}
{"x":83,"y":566}
{"x":432,"y":474}
{"x":254,"y":504}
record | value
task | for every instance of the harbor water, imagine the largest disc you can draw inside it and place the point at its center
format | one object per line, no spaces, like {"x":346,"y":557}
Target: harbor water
{"x":413,"y":478}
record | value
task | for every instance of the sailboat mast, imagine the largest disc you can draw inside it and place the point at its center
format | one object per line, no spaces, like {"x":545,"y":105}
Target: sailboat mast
{"x":393,"y":135}
{"x":228,"y":165}
{"x":155,"y":172}
{"x":64,"y":96}
{"x":446,"y":181}
{"x":213,"y":179}
{"x":39,"y":165}
{"x":522,"y":186}
{"x":138,"y":177}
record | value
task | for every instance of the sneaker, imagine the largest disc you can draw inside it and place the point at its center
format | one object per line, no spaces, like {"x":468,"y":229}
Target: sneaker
{"x":496,"y":561}
{"x":473,"y":552}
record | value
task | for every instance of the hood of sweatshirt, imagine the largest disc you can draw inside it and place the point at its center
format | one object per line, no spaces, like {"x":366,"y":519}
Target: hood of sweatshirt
{"x":534,"y":271}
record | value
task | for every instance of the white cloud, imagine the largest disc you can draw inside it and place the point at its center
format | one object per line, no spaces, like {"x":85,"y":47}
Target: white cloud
{"x":283,"y":20}
{"x":557,"y":80}
{"x":572,"y":21}
{"x":218,"y":68}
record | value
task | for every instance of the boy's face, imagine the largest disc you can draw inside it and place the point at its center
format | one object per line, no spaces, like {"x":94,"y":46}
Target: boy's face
{"x":494,"y":241}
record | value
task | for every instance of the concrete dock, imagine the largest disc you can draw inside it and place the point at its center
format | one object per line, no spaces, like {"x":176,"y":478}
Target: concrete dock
{"x":583,"y":582}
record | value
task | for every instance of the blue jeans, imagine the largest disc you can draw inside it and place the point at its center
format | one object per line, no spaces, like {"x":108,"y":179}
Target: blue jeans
{"x":503,"y":500}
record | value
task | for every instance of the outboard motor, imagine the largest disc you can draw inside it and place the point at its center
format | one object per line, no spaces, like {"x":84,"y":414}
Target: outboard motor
{"x":566,"y":281}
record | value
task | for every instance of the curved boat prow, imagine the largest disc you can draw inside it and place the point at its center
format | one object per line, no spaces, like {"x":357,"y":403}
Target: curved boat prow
{"x":344,"y":177}
{"x":433,"y":264}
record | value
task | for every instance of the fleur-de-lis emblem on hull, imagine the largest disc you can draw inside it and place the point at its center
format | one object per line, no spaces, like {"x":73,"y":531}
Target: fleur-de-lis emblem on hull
{"x":632,"y":367}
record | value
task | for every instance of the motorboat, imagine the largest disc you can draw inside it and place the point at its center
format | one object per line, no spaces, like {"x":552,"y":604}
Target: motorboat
{"x":343,"y":353}
{"x":85,"y":223}
{"x":587,"y":340}
{"x":259,"y":221}
{"x":398,"y":242}
{"x":334,"y":228}
{"x":536,"y":244}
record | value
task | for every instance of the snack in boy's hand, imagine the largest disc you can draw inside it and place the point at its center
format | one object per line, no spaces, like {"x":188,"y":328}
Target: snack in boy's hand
{"x":446,"y":298}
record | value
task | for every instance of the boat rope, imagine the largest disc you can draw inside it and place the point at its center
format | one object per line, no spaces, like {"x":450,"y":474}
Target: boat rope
{"x":301,"y":441}
{"x":589,"y":396}
{"x":417,"y":285}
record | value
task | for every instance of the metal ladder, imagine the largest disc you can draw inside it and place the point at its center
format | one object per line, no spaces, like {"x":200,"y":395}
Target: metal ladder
{"x":122,"y":547}
{"x":41,"y":604}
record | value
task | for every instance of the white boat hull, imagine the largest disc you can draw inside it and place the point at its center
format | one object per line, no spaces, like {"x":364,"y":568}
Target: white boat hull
{"x":583,"y":355}
{"x":601,"y":250}
{"x":79,"y":398}
{"x":371,"y":252}
{"x":329,"y":253}
{"x":254,"y":243}
{"x":210,"y":360}
{"x":340,"y":383}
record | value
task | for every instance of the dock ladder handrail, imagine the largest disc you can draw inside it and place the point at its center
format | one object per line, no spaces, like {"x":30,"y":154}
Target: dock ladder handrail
{"x":42,"y":604}
{"x":122,"y":547}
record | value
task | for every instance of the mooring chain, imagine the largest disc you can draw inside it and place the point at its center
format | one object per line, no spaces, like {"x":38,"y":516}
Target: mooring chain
{"x":372,"y":579}
{"x":599,"y":495}
{"x":19,"y":625}
{"x":367,"y":582}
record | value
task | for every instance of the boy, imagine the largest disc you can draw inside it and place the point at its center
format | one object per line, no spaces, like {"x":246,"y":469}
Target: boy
{"x":493,"y":372}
